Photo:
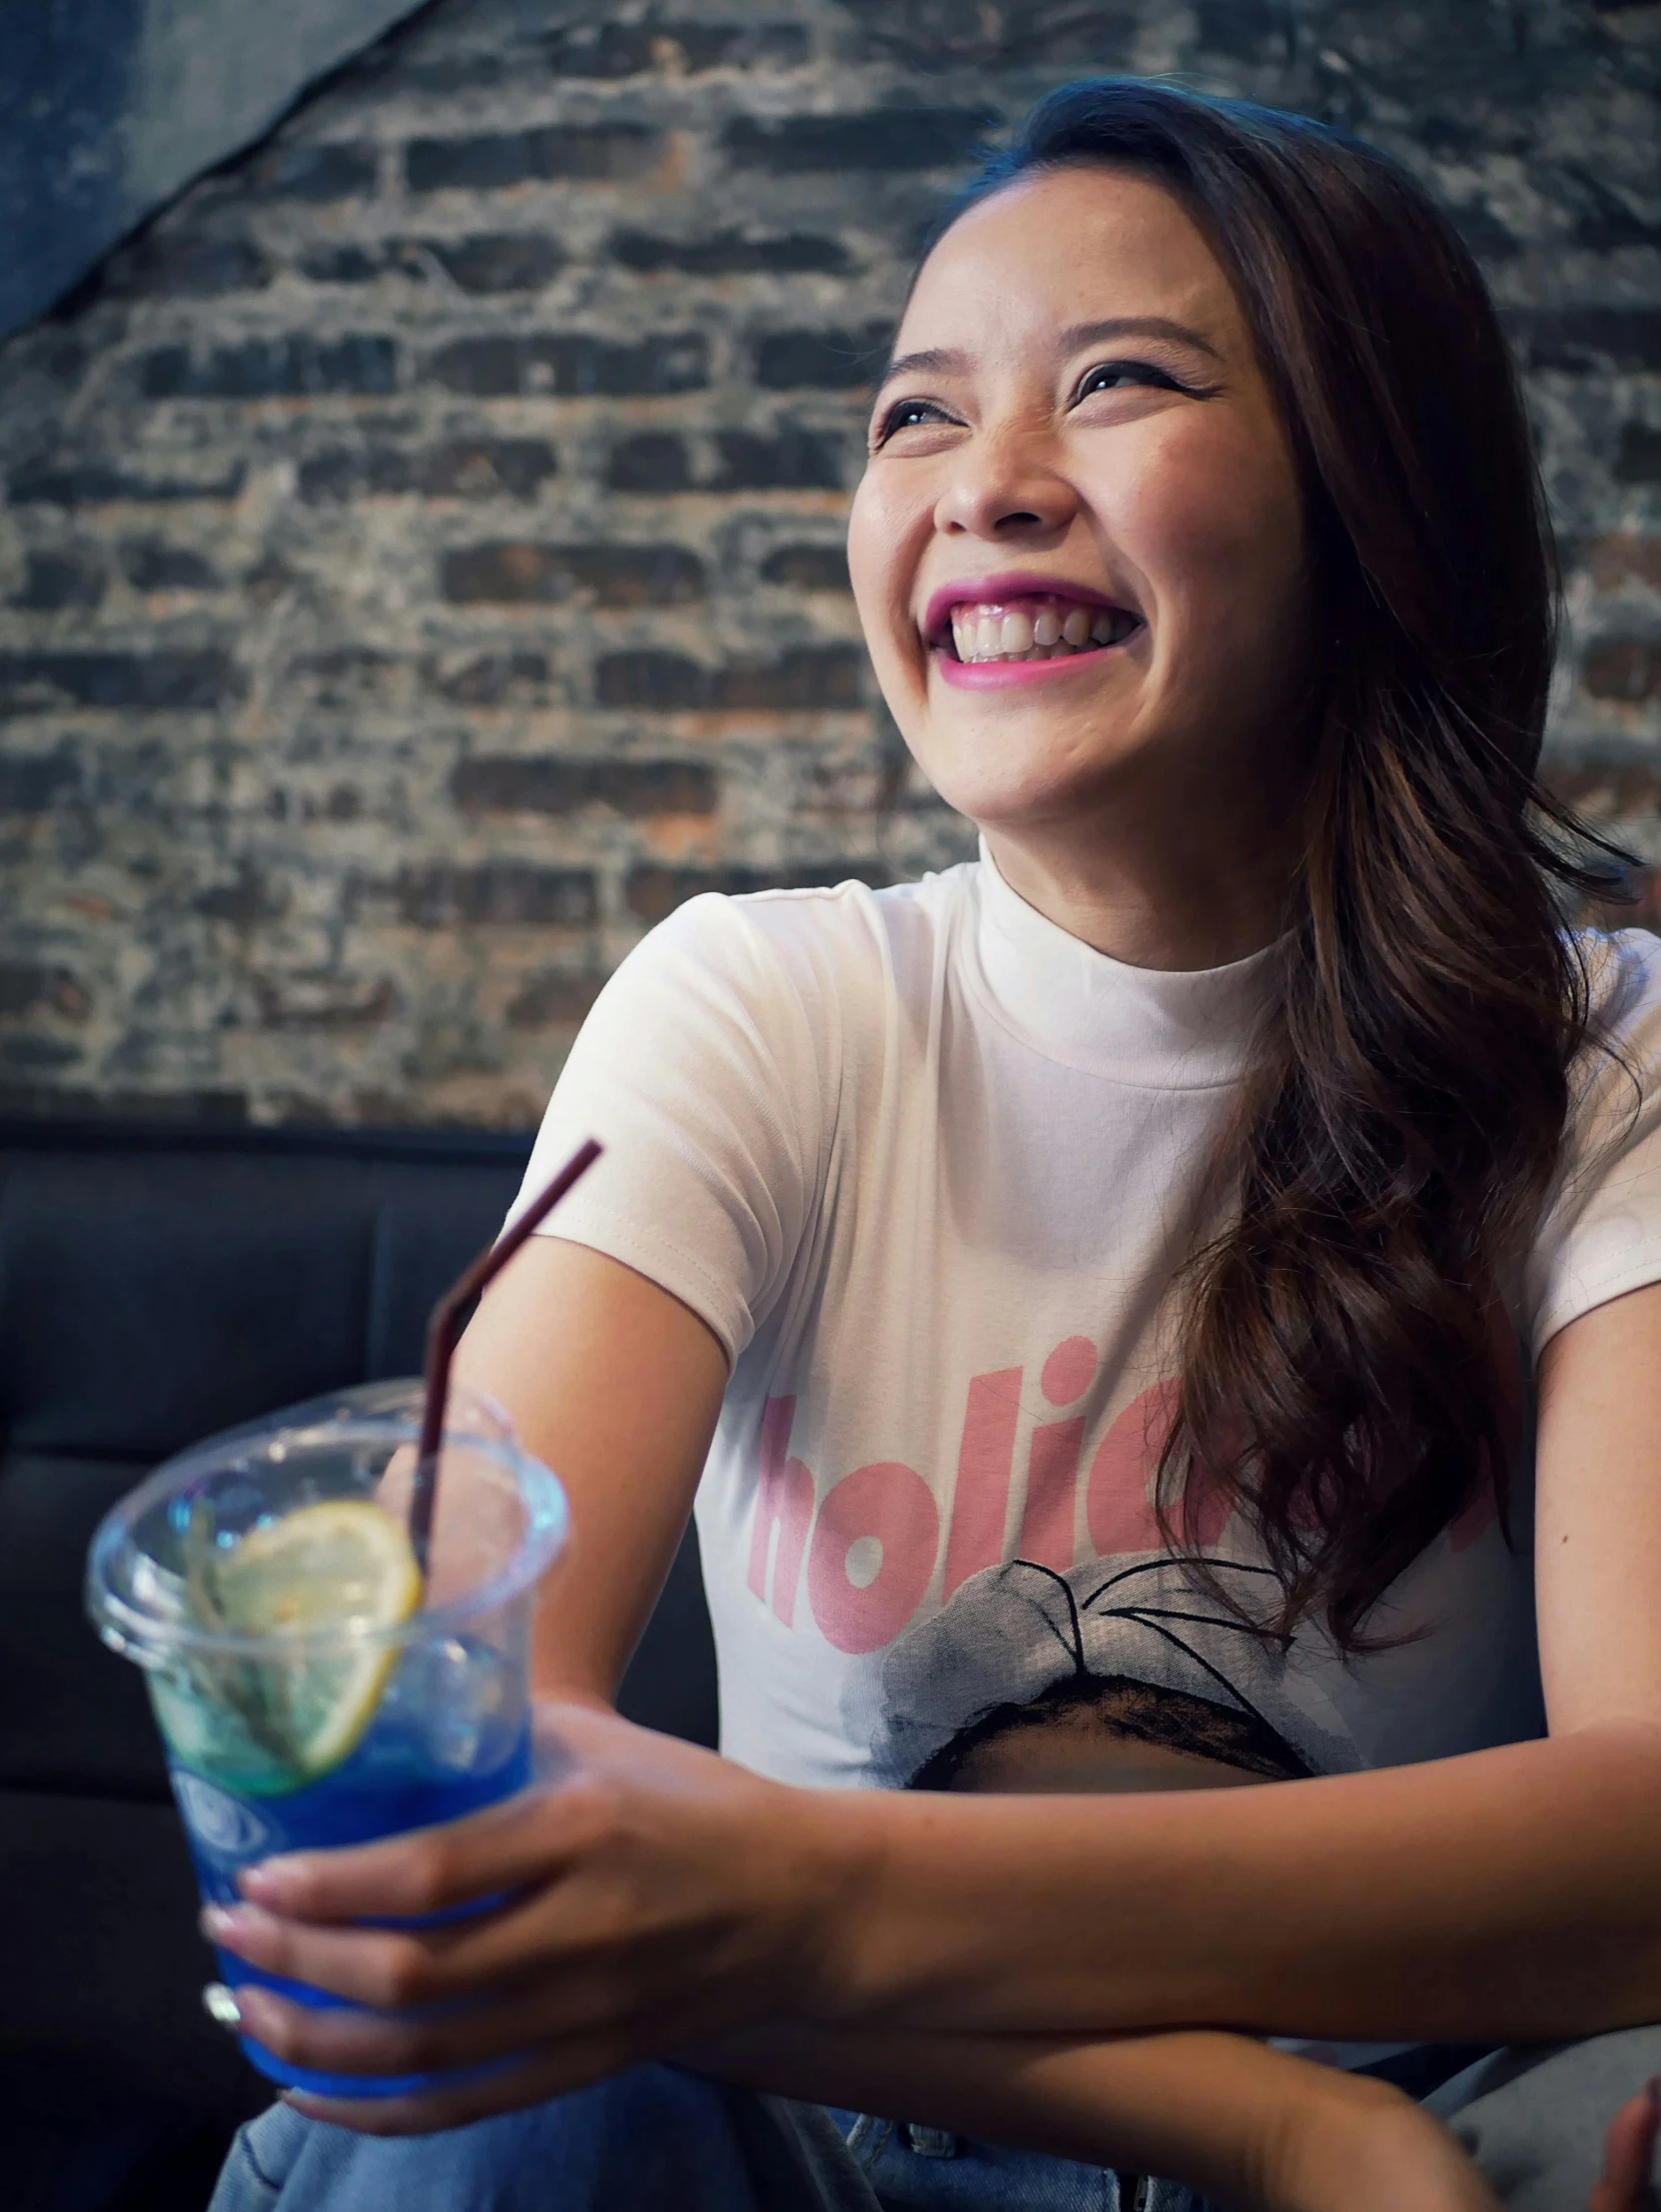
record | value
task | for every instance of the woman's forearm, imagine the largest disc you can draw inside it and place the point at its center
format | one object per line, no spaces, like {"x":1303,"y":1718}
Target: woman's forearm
{"x":1507,"y":1894}
{"x":1201,"y":2108}
{"x":1243,"y":2126}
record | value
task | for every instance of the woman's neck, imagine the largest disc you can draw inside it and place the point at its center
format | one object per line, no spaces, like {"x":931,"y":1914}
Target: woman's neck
{"x":1189,"y":899}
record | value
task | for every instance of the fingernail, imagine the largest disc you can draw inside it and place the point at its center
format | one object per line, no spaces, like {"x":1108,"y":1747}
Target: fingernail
{"x":222,"y":2007}
{"x":250,"y":2002}
{"x":267,"y":1882}
{"x":222,"y":1925}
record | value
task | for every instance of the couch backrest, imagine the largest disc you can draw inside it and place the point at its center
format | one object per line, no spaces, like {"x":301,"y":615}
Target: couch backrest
{"x":156,"y":1288}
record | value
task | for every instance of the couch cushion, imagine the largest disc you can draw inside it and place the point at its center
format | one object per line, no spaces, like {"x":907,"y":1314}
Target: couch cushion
{"x":104,"y":1964}
{"x":77,"y":2142}
{"x":73,"y":1715}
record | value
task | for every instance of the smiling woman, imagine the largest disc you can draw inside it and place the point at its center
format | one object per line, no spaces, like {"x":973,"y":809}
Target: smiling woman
{"x":1089,"y":1293}
{"x":1138,"y":465}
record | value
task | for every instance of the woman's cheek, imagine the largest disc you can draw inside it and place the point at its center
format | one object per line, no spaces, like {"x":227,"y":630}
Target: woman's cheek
{"x":1188,"y":508}
{"x":1218,"y":538}
{"x":879,"y":527}
{"x":882,"y":571}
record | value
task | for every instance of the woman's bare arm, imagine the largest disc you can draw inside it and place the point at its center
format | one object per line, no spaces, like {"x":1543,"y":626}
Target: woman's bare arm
{"x":1506,"y":1895}
{"x":616,"y":1386}
{"x":1241,"y":2125}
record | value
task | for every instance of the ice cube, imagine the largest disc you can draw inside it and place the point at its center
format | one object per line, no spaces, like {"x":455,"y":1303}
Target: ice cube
{"x":452,"y":1689}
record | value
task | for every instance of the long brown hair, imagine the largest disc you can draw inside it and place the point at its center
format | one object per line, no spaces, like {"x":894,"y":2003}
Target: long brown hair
{"x":1342,"y":1373}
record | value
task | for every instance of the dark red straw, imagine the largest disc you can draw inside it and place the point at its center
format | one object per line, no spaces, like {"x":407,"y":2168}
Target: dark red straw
{"x":444,"y":1327}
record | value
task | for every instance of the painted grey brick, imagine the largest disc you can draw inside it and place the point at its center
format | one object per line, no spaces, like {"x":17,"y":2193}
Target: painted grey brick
{"x":99,"y":482}
{"x":830,"y":360}
{"x":1639,"y":460}
{"x":612,"y":50}
{"x":460,"y":469}
{"x":891,"y":138}
{"x":570,"y":365}
{"x":807,"y":568}
{"x":294,"y":367}
{"x":55,"y":580}
{"x":729,"y":253}
{"x":551,"y":784}
{"x":143,"y":682}
{"x":496,"y":160}
{"x":318,"y":173}
{"x":489,"y":263}
{"x":499,"y":893}
{"x":654,"y":892}
{"x":804,"y":679}
{"x":33,"y":782}
{"x":518,"y":570}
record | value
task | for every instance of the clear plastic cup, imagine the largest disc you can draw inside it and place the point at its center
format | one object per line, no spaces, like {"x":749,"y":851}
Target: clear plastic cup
{"x":430,"y":1718}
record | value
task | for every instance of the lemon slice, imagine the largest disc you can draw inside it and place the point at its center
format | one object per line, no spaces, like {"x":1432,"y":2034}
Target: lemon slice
{"x":341,"y":1563}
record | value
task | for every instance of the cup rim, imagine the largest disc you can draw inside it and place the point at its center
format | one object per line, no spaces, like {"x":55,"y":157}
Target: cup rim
{"x":153,"y":1638}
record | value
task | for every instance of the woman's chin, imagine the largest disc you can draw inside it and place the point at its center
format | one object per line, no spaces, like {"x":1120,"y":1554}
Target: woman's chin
{"x":1002,"y":787}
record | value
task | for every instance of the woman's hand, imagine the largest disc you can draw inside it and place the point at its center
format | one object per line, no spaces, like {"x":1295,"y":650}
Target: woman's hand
{"x":1345,"y":2143}
{"x":658,"y":1895}
{"x":1629,"y":2155}
{"x":1355,"y":2146}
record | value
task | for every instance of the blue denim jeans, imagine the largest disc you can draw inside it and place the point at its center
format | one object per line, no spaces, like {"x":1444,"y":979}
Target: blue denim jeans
{"x":658,"y":2140}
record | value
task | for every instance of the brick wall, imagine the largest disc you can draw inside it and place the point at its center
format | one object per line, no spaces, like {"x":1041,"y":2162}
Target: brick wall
{"x":421,"y":560}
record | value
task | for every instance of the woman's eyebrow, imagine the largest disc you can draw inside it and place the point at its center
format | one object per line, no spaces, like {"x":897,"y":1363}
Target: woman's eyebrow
{"x":913,"y":365}
{"x":1077,"y":336}
{"x":1135,"y":326}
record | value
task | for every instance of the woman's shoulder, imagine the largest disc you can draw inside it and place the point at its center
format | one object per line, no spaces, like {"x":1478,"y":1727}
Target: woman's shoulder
{"x":1615,"y":1082}
{"x":847,"y":939}
{"x":1600,"y":1233}
{"x":1622,"y":970}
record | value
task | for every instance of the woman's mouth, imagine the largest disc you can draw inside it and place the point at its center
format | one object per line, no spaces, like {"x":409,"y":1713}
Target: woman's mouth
{"x":982,"y":641}
{"x":1032,"y":628}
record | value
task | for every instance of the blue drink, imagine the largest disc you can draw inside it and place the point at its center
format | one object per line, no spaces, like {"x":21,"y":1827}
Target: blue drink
{"x":337,"y":1725}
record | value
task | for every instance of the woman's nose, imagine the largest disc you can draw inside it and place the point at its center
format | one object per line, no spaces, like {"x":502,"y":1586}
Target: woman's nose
{"x":1002,"y":490}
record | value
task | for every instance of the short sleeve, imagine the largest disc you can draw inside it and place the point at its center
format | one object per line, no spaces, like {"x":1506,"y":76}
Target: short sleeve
{"x":1601,"y":1233}
{"x":697,"y":1073}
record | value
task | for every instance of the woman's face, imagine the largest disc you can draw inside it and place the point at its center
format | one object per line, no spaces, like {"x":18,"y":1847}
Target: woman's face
{"x":1077,"y":546}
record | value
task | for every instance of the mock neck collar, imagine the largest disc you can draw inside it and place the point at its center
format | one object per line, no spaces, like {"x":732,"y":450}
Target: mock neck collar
{"x":1161,"y":1028}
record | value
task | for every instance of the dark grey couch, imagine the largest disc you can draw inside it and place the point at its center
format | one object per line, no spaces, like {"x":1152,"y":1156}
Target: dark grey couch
{"x":155,"y":1287}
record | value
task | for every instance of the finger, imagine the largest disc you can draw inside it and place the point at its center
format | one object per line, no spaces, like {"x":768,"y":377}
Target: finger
{"x":398,"y":1482}
{"x":584,"y":1922}
{"x":527,"y":1838}
{"x":387,"y":1968}
{"x":1628,"y":2155}
{"x":347,"y":2040}
{"x":392,"y":1970}
{"x":531,"y":2079}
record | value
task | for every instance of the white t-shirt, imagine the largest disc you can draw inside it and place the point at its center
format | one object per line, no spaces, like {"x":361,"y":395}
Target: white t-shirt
{"x":927,"y":1166}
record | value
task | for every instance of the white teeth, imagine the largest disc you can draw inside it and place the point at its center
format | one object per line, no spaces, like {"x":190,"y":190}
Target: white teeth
{"x":992,"y":632}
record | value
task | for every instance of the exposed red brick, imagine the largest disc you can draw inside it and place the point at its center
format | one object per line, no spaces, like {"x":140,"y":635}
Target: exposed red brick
{"x":1624,"y":558}
{"x":1626,"y":669}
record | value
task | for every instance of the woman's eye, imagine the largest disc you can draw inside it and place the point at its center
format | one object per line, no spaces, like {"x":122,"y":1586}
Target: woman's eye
{"x":1112,"y":376}
{"x":905,"y":414}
